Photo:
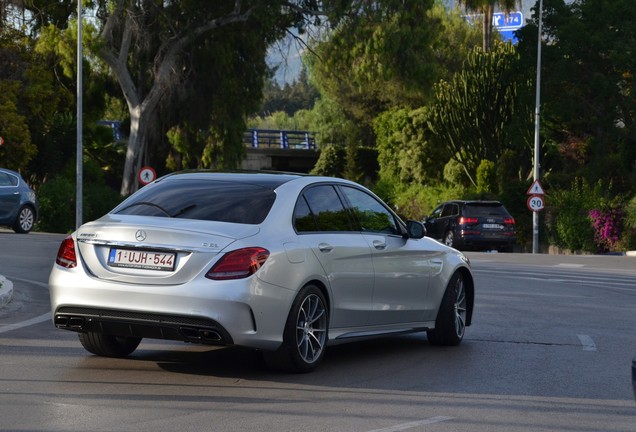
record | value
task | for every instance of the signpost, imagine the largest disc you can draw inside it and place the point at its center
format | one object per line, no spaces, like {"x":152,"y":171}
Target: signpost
{"x":536,"y":203}
{"x":507,"y":21}
{"x":146,"y":175}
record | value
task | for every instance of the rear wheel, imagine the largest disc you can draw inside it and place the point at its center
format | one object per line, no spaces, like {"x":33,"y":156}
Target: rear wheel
{"x":451,"y":317}
{"x":449,"y":238}
{"x":108,"y":345}
{"x":305,"y":335}
{"x":25,"y":220}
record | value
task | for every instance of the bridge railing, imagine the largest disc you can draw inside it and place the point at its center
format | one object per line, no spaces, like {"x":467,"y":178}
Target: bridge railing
{"x":268,"y":138}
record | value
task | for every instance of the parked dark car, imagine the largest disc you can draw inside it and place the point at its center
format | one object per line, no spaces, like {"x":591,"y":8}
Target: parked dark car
{"x":478,"y":225}
{"x":18,"y":203}
{"x":634,"y":376}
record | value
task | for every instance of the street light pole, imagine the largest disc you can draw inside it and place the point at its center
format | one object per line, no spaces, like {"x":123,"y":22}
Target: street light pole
{"x":537,"y":147}
{"x":79,"y":202}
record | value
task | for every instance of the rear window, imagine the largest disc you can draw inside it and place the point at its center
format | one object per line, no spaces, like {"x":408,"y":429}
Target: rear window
{"x":210,"y":200}
{"x":485,"y":209}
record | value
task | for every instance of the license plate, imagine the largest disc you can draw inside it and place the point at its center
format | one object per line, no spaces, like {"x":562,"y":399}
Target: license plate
{"x":492,"y":226}
{"x":141,"y":259}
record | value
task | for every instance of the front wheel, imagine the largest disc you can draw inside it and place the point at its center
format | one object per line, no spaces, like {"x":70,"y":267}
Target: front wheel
{"x":451,"y":317}
{"x":25,"y":220}
{"x":305,"y":334}
{"x":108,"y":345}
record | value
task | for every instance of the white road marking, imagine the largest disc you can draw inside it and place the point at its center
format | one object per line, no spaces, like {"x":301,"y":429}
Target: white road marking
{"x":42,"y":284}
{"x":30,"y":322}
{"x":587,"y":342}
{"x":411,"y":425}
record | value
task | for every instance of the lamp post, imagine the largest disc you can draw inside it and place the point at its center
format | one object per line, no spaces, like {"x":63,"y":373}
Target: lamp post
{"x":537,"y":147}
{"x":79,"y":161}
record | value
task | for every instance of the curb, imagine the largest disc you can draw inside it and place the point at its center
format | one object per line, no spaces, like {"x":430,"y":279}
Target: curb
{"x":6,"y":291}
{"x":630,"y":253}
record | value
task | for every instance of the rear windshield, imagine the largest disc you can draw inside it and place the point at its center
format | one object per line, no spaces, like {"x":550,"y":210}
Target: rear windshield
{"x":485,"y":209}
{"x":209,"y":200}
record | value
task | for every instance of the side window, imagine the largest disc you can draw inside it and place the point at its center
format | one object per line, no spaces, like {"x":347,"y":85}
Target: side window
{"x":371,"y":214}
{"x":448,"y":210}
{"x":6,"y":180}
{"x":437,"y":212}
{"x":303,"y":217}
{"x":320,"y":209}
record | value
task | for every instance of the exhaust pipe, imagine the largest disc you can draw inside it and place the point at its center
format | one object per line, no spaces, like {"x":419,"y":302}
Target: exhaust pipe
{"x":70,"y":322}
{"x":200,"y":335}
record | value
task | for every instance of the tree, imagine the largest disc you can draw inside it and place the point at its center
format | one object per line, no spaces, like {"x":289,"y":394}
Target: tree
{"x":484,"y":110}
{"x":486,"y":8}
{"x":588,"y":89}
{"x":146,"y":45}
{"x":377,"y":58}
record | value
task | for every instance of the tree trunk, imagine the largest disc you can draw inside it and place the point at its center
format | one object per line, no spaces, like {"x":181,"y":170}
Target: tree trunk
{"x":118,"y":35}
{"x":488,"y":16}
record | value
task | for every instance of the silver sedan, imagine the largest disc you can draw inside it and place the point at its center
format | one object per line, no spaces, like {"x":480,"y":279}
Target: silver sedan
{"x":282,"y":263}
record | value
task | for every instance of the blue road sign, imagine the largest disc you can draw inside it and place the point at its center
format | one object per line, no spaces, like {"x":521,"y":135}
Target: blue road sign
{"x":510,"y":21}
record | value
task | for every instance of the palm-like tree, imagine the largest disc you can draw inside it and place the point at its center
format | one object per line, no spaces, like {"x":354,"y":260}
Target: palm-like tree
{"x":487,"y":9}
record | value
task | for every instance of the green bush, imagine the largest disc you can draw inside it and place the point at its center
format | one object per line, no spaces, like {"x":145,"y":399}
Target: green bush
{"x":627,"y":241}
{"x":417,"y":201}
{"x":57,"y":205}
{"x":331,"y":161}
{"x":486,"y":177}
{"x":57,"y":199}
{"x":568,"y":212}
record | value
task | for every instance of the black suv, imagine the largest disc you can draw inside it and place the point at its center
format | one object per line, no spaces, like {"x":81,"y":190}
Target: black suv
{"x":475,"y":225}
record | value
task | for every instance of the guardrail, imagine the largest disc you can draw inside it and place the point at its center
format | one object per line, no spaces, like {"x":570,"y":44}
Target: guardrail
{"x":268,"y":138}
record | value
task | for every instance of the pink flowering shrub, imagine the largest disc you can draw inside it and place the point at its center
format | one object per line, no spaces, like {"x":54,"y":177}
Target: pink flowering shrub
{"x":607,"y":228}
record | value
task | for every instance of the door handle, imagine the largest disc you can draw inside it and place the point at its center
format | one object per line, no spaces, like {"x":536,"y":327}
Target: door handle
{"x":325,"y":247}
{"x":379,"y":244}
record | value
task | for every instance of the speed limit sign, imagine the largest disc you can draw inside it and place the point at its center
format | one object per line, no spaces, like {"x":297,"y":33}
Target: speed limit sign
{"x":535,"y":203}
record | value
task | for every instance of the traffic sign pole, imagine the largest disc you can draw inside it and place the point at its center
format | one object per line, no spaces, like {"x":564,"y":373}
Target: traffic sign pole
{"x":535,"y":215}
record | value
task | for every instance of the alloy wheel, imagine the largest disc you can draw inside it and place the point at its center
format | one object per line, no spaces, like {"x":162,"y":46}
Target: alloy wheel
{"x":460,"y":307}
{"x":311,"y":328}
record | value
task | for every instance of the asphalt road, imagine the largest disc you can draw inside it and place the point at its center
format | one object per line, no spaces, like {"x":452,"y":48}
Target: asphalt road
{"x":550,"y":350}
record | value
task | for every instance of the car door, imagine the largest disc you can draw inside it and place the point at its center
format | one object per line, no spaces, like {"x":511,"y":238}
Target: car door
{"x":432,"y":223}
{"x":9,"y":196}
{"x":401,"y":265}
{"x":326,"y":227}
{"x":448,"y":219}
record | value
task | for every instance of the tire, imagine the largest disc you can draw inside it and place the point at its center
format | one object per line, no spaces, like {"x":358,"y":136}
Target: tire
{"x":449,"y":238}
{"x":25,"y":221}
{"x":450,"y":324}
{"x":305,"y":334}
{"x":107,"y":345}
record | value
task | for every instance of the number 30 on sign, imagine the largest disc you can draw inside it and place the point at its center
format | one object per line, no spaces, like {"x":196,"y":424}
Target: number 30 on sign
{"x":535,"y":203}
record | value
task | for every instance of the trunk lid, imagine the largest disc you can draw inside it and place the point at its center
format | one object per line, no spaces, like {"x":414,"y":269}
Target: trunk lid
{"x":153,"y":251}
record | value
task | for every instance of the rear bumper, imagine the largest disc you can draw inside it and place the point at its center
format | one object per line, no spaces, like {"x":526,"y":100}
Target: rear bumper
{"x":142,"y":325}
{"x":246,"y":312}
{"x":481,"y":241}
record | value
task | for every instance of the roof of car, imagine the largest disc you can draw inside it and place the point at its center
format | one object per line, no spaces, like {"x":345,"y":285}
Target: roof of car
{"x":485,"y":202}
{"x":271,"y":179}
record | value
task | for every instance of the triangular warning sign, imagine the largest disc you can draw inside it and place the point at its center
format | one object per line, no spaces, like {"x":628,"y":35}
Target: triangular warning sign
{"x":536,"y":189}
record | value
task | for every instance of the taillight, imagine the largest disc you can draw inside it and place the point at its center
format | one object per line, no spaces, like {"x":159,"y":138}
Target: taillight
{"x":66,"y":253}
{"x":467,"y":220}
{"x":238,"y":264}
{"x":509,"y":221}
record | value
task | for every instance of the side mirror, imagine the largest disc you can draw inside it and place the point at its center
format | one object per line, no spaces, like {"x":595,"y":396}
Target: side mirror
{"x":415,"y":229}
